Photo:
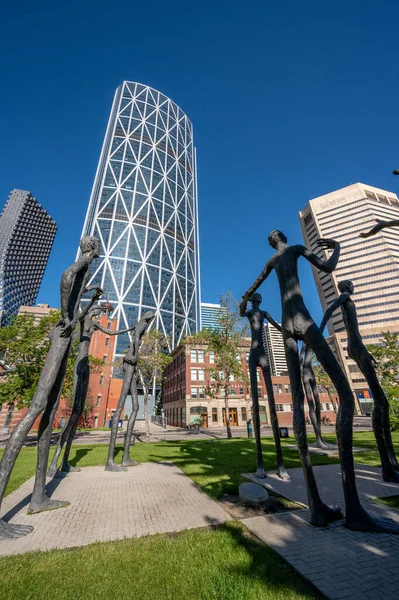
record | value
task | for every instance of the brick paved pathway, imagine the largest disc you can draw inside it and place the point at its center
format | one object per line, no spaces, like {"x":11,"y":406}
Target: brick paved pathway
{"x":147,"y":499}
{"x":340,"y":563}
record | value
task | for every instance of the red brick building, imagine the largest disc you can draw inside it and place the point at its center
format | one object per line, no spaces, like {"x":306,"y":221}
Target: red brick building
{"x":185,"y":400}
{"x":103,"y":390}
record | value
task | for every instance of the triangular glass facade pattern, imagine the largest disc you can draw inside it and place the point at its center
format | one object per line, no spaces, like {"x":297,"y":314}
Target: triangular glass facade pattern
{"x":143,"y":208}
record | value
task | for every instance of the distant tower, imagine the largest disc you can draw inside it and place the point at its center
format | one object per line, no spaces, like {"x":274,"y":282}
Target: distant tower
{"x":143,"y":207}
{"x":26,"y":236}
{"x":275,"y":350}
{"x":210,"y":314}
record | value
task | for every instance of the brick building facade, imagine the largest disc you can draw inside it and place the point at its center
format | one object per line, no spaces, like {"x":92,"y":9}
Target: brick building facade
{"x":185,"y":400}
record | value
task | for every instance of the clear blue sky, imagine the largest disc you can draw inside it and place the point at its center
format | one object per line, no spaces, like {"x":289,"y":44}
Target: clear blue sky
{"x":289,"y":100}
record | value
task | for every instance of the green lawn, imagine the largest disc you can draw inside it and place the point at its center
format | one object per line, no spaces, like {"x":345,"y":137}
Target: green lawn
{"x":392,"y":501}
{"x":206,"y":564}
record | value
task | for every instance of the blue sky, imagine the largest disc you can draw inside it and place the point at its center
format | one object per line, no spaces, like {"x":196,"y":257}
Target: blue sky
{"x":288,"y":100}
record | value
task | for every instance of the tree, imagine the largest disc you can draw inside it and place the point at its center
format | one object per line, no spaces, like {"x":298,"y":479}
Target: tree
{"x":23,"y":348}
{"x":386,"y":356}
{"x":225,"y":342}
{"x":323,"y":381}
{"x":153,"y":359}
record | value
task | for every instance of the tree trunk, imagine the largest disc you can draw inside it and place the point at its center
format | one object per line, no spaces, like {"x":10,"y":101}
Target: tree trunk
{"x":226,"y":403}
{"x":146,"y":421}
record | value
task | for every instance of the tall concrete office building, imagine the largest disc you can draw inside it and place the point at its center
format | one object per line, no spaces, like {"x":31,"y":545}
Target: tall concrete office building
{"x":274,"y":345}
{"x":371,"y":263}
{"x":26,"y":237}
{"x":143,"y":208}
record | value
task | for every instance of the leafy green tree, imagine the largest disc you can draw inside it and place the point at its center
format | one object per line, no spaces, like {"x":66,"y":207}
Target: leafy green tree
{"x":23,"y":348}
{"x":386,"y":356}
{"x":225,"y":342}
{"x":324,"y":382}
{"x":153,"y":359}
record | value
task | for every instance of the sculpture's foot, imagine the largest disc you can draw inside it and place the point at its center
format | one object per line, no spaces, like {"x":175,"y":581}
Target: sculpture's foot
{"x":52,"y":471}
{"x":9,"y":531}
{"x":366,"y":522}
{"x":46,"y":504}
{"x":260,"y":473}
{"x":390,"y":476}
{"x":283,"y":474}
{"x":67,"y":468}
{"x":128,"y":462}
{"x":115,"y":468}
{"x":325,"y":515}
{"x":323,"y":445}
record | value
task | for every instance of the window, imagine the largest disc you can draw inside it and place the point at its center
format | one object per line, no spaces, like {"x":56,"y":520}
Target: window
{"x":277,"y":388}
{"x":257,"y":375}
{"x":104,"y":358}
{"x":291,"y":408}
{"x":98,"y":400}
{"x":262,"y":413}
{"x":201,"y":375}
{"x":328,"y":406}
{"x":260,"y":395}
{"x":201,"y":392}
{"x":214,"y":415}
{"x":183,"y":416}
{"x":194,"y":392}
{"x":200,"y":356}
{"x":106,"y":342}
{"x":247,"y":357}
{"x":231,"y":377}
{"x":243,"y":413}
{"x":96,"y":421}
{"x":194,"y":375}
{"x":193,"y":355}
{"x":233,"y":391}
{"x":279,"y":407}
{"x":211,"y":358}
{"x":102,"y":380}
{"x":287,"y":388}
{"x":241,"y":391}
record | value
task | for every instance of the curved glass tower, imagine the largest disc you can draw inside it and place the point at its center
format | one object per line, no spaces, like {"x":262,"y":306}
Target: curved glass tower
{"x":143,"y":207}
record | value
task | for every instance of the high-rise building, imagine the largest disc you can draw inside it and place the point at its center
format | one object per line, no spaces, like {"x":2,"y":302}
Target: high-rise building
{"x":143,"y":208}
{"x":210,"y":314}
{"x":274,"y":346}
{"x":26,"y":236}
{"x":371,"y":263}
{"x":38,"y":312}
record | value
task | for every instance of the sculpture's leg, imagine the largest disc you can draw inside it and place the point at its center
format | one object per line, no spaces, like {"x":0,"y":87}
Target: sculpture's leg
{"x":314,"y":412}
{"x":321,"y":514}
{"x":127,"y":381}
{"x":380,"y":417}
{"x":127,"y":461}
{"x":260,"y":469}
{"x":40,"y":501}
{"x":63,"y":437}
{"x":18,"y":436}
{"x":281,"y":470}
{"x":356,"y":517}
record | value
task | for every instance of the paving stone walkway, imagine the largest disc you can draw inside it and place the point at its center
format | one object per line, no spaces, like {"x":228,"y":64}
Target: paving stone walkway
{"x":342,"y":564}
{"x":147,"y":499}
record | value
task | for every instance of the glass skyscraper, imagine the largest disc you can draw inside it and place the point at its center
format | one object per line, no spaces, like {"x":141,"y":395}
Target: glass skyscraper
{"x":143,"y":208}
{"x":26,"y":237}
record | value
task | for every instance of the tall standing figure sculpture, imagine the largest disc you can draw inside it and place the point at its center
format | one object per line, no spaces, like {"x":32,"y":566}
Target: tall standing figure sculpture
{"x":88,"y":326}
{"x":258,"y":358}
{"x":312,"y":394}
{"x":130,"y":361}
{"x":73,"y":285}
{"x":365,"y":361}
{"x":297,"y":324}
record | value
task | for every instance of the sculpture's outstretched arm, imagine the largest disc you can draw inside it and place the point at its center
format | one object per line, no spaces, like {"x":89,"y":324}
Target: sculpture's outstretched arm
{"x":109,"y":332}
{"x":332,"y":308}
{"x":272,"y":321}
{"x":327,"y":266}
{"x":380,"y":225}
{"x":264,"y":274}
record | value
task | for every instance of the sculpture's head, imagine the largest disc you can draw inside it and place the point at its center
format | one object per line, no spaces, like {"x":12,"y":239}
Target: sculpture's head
{"x":275,"y":237}
{"x":89,"y":243}
{"x":346,"y":286}
{"x":148,"y":316}
{"x":256,"y":299}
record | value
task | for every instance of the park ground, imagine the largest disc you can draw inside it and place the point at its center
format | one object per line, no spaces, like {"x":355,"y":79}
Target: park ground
{"x":224,"y":562}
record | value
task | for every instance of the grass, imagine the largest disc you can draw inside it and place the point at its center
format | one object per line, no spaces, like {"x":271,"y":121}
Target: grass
{"x":226,"y":563}
{"x":392,"y":501}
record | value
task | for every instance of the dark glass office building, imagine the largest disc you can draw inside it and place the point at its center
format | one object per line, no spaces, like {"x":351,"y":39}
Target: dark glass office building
{"x":26,"y":236}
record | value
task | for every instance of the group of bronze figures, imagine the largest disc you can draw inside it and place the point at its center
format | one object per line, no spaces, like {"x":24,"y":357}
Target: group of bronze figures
{"x":298,"y":326}
{"x":47,"y":396}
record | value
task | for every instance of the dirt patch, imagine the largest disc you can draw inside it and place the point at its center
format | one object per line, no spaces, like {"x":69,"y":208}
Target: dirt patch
{"x":236,"y":509}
